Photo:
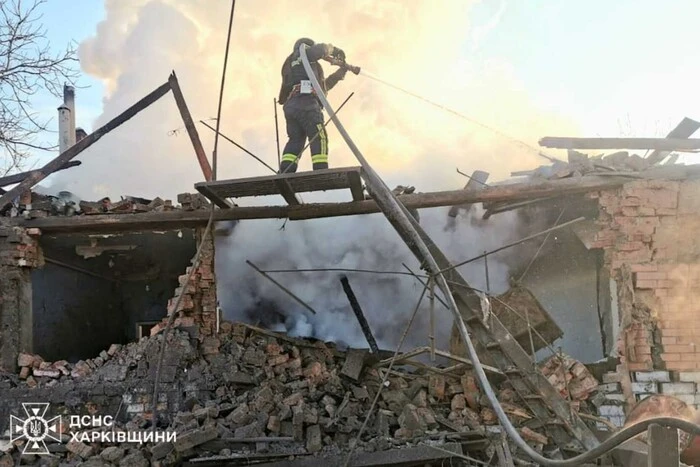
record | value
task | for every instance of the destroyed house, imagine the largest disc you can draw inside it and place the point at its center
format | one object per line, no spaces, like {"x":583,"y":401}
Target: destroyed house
{"x":613,"y":287}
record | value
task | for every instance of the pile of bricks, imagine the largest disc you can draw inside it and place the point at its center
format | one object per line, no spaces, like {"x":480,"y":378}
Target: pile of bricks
{"x":570,"y":377}
{"x":33,"y":370}
{"x":307,"y":397}
{"x":44,"y":205}
{"x":19,"y":247}
{"x":126,"y":205}
{"x":198,"y":306}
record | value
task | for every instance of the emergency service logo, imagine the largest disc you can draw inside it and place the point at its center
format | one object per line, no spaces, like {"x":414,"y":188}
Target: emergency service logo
{"x":35,"y":428}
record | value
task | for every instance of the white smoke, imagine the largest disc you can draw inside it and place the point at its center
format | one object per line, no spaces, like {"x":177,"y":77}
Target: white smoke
{"x":361,"y":242}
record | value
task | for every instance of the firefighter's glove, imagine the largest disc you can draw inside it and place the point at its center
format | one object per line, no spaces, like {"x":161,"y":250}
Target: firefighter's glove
{"x":338,"y":54}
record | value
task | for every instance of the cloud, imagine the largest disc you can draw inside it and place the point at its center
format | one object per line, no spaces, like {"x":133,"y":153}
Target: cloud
{"x":414,"y":45}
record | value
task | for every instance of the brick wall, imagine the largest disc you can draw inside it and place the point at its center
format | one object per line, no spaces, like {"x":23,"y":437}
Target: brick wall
{"x":648,"y":233}
{"x":198,"y":305}
{"x":19,"y":252}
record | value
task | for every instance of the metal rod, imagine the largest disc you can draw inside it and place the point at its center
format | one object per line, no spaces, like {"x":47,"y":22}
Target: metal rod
{"x":261,"y":439}
{"x":486,"y":271}
{"x":368,"y":271}
{"x":78,"y":269}
{"x":237,"y":145}
{"x":518,"y":242}
{"x":283,"y":288}
{"x":221,"y":92}
{"x":424,"y":284}
{"x":357,"y":309}
{"x":316,"y":135}
{"x":431,"y":335}
{"x":277,"y":134}
{"x":537,"y":253}
{"x":470,"y":177}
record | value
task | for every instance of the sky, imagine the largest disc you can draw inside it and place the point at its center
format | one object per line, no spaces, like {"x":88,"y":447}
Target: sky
{"x":605,"y":67}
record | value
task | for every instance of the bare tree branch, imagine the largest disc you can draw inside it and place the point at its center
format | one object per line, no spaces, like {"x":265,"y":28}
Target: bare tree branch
{"x":28,"y":67}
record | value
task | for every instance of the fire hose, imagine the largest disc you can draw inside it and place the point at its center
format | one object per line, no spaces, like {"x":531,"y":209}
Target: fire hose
{"x":398,"y":216}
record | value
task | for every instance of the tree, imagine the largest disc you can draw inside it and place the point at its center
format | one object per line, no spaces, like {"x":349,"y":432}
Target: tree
{"x":28,"y":67}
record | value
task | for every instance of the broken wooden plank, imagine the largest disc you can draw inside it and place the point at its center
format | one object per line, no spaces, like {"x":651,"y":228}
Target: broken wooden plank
{"x":214,"y":198}
{"x":476,"y":182}
{"x":357,"y":309}
{"x":301,"y":182}
{"x":190,"y":127}
{"x":82,"y":145}
{"x":287,"y":192}
{"x":18,"y":177}
{"x":356,"y":186}
{"x":660,"y":144}
{"x":684,"y":129}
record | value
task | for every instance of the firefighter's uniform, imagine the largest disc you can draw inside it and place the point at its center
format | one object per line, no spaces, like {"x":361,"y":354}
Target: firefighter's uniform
{"x":302,"y":109}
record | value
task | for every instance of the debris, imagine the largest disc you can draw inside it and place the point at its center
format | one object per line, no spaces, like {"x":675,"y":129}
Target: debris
{"x":355,"y":305}
{"x":570,"y":377}
{"x":354,"y":363}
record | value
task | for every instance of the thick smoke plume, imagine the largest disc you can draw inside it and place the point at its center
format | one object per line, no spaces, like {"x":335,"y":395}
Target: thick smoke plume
{"x":364,"y":242}
{"x":413,"y":44}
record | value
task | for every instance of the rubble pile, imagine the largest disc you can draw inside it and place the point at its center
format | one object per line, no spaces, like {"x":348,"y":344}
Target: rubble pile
{"x":256,"y":393}
{"x":66,"y":204}
{"x":570,"y":377}
{"x":580,"y":164}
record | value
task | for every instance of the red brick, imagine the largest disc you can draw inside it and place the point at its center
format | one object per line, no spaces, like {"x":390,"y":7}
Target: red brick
{"x":631,"y":246}
{"x":690,"y":357}
{"x":665,"y":284}
{"x":676,"y":332}
{"x":639,"y":366}
{"x":671,"y":357}
{"x":646,"y":284}
{"x":651,"y":276}
{"x":642,"y":350}
{"x":681,"y":365}
{"x":669,"y":340}
{"x":679,"y":348}
{"x":666,"y":211}
{"x":644,"y":268}
{"x":661,"y":292}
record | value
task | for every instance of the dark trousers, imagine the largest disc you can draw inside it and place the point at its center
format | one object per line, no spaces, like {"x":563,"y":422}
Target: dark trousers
{"x":303,"y":124}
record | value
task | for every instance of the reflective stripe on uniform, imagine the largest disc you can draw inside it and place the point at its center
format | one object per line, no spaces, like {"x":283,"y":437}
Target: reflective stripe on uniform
{"x":290,"y":158}
{"x":319,"y":159}
{"x":323,"y":138}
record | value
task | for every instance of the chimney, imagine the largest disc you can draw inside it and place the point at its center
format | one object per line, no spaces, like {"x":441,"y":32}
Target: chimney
{"x":64,"y":135}
{"x":69,"y":101}
{"x":79,"y":134}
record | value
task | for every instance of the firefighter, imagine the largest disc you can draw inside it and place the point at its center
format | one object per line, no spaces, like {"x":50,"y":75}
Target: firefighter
{"x":302,"y":109}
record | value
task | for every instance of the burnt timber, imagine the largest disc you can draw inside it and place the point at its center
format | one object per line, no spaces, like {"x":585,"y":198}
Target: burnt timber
{"x":185,"y":219}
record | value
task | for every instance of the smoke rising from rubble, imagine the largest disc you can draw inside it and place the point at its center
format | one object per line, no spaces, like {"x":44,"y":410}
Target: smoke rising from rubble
{"x":408,"y":142}
{"x":361,"y":242}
